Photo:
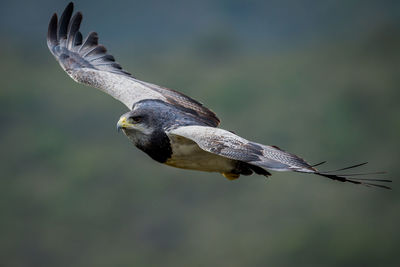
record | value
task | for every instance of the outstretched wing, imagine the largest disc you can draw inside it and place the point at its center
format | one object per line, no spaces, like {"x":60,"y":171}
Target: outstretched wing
{"x":229,"y":145}
{"x":87,"y":62}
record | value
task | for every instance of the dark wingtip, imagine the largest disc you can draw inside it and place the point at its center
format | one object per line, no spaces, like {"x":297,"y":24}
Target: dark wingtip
{"x":347,"y":168}
{"x":78,"y":38}
{"x":64,"y":21}
{"x":362,"y":181}
{"x":377,"y":185}
{"x":354,"y":177}
{"x":64,"y":34}
{"x":73,"y":28}
{"x":318,"y":164}
{"x":52,"y":32}
{"x":70,"y":6}
{"x":91,"y":40}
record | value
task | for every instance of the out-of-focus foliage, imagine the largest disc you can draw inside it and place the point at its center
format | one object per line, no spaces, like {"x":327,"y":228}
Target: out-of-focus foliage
{"x":320,"y":79}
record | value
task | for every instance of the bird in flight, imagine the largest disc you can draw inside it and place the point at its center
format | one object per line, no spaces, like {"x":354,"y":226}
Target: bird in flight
{"x":169,"y":126}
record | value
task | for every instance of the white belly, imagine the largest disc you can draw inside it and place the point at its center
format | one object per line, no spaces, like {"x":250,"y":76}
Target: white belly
{"x":186,"y":154}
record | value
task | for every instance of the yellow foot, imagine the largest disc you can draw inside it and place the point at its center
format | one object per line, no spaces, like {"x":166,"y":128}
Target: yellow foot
{"x":230,"y":176}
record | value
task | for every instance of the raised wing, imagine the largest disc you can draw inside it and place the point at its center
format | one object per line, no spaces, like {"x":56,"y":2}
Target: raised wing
{"x":227,"y":144}
{"x":87,"y":62}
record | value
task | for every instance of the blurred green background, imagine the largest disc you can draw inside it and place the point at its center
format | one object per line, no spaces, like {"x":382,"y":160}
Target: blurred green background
{"x":317,"y":78}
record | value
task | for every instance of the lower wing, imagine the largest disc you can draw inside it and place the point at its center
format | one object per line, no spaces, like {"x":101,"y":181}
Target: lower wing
{"x":229,"y":145}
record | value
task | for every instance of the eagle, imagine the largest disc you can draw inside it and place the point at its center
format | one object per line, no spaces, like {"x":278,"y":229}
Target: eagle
{"x":167,"y":125}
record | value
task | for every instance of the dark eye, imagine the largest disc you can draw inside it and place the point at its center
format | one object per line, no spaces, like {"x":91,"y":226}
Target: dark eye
{"x":136,"y":119}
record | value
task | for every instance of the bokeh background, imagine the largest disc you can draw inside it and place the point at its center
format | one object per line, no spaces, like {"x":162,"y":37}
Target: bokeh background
{"x":317,"y":78}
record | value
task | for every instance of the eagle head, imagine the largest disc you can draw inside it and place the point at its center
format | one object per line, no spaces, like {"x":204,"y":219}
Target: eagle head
{"x":145,"y":126}
{"x":147,"y":121}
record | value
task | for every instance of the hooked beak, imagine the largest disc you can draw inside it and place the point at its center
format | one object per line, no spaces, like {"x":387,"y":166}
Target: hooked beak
{"x":123,"y":123}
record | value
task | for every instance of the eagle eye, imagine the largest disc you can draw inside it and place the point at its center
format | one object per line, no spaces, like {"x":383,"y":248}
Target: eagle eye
{"x":136,"y":119}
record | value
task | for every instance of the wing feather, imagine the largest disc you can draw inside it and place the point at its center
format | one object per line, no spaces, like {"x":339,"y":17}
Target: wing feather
{"x":228,"y":144}
{"x":64,"y":21}
{"x":73,"y":28}
{"x":87,"y":62}
{"x":77,"y":39}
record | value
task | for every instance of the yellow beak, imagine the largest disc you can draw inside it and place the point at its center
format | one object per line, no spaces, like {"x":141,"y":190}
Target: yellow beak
{"x":123,"y":123}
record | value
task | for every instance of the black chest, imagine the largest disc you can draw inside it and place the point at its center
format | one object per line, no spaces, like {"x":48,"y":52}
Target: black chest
{"x":157,"y":146}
